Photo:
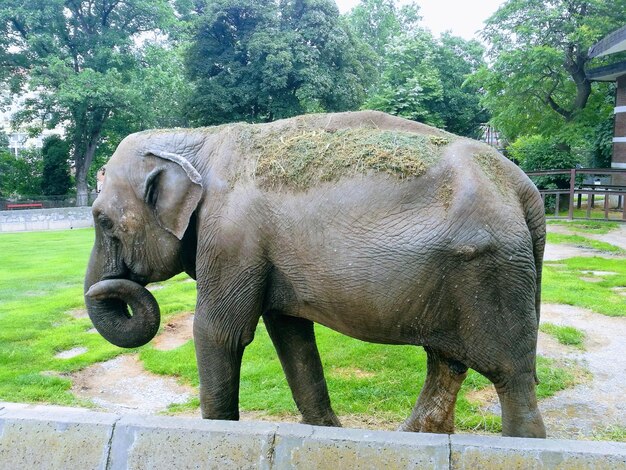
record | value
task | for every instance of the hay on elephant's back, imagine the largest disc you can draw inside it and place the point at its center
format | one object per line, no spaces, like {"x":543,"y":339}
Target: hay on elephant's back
{"x":302,"y":158}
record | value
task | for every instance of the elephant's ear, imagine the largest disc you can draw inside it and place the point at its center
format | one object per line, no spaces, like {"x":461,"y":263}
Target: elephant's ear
{"x":173,"y":190}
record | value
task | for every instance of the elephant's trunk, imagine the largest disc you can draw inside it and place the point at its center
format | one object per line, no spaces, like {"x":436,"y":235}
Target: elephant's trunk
{"x":107,"y":302}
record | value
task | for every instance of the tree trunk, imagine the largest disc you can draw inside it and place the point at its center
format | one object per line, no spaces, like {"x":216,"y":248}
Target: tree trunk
{"x":82,"y":168}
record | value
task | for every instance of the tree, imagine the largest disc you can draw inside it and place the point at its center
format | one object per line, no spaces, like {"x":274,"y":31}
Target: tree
{"x":460,"y":109}
{"x":377,"y":22}
{"x":4,"y":141}
{"x":55,"y":178}
{"x":77,"y":56}
{"x":537,"y":82}
{"x":20,"y":177}
{"x":424,"y":79}
{"x":410,"y":84}
{"x":264,"y":60}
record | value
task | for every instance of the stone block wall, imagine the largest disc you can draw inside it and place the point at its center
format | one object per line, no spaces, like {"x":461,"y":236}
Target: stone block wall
{"x":63,"y":218}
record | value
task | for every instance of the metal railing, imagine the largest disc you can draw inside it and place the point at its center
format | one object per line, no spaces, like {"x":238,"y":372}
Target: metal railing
{"x":612,"y":193}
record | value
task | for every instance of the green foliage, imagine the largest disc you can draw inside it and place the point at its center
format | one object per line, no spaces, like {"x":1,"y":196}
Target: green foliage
{"x":460,"y":109}
{"x":4,"y":141}
{"x":410,"y":85}
{"x":56,"y":179}
{"x":77,"y":57}
{"x":537,"y":152}
{"x":603,"y":144}
{"x":424,"y":79}
{"x":536,"y":83}
{"x":264,"y":60}
{"x":567,"y":335}
{"x":377,"y":22}
{"x":20,"y":176}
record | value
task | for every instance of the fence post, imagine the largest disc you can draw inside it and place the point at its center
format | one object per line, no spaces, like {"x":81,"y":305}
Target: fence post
{"x":572,"y":187}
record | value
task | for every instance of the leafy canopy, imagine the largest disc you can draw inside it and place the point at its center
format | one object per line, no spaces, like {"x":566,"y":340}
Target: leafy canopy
{"x":78,"y":58}
{"x":536,"y":83}
{"x":56,"y":179}
{"x":263,"y":60}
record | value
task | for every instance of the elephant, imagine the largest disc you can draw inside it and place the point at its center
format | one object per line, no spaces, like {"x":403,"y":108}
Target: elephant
{"x":383,"y":229}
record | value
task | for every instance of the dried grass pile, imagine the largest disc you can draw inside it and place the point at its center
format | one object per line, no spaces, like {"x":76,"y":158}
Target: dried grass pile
{"x":302,"y":158}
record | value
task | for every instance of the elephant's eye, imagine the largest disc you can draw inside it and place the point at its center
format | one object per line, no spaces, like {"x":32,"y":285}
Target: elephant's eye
{"x":105,"y":222}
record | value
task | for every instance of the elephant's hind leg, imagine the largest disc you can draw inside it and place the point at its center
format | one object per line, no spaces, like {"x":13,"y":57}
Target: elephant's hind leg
{"x":518,"y":399}
{"x":294,"y":340}
{"x":434,"y":410}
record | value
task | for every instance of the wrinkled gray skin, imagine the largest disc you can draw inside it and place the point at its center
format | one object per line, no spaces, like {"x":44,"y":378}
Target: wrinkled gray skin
{"x":375,"y":257}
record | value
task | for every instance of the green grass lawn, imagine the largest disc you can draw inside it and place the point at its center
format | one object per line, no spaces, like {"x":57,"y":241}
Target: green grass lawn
{"x":567,"y":335}
{"x":563,"y":284}
{"x":41,"y":292}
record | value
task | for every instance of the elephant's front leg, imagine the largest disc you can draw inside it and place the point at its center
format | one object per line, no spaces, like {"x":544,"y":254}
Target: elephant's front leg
{"x":224,"y":324}
{"x":219,"y":366}
{"x":294,"y":340}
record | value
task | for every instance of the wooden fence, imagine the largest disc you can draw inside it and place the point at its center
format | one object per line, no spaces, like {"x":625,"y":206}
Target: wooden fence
{"x":587,"y":181}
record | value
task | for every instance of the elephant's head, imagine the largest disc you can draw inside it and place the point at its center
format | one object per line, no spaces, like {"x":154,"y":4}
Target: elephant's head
{"x":141,"y":219}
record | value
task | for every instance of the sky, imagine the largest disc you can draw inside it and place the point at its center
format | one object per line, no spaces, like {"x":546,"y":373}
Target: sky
{"x":462,"y":17}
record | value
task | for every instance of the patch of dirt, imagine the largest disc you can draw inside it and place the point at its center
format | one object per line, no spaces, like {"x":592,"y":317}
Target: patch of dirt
{"x":176,"y":332}
{"x":595,"y":276}
{"x":578,"y":411}
{"x":78,"y":313}
{"x":350,"y":372}
{"x":557,"y":252}
{"x":615,"y":237}
{"x":485,"y":397}
{"x":598,"y":400}
{"x":122,"y":384}
{"x":347,"y":421}
{"x":599,"y":273}
{"x":70,"y":353}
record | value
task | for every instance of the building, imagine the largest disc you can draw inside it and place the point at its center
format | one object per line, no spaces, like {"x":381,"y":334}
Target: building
{"x":612,"y":44}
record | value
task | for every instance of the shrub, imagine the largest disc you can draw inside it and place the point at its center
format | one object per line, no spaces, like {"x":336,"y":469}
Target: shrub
{"x":536,"y":152}
{"x":56,"y":179}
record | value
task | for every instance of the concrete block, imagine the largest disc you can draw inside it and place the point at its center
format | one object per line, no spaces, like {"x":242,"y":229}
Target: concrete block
{"x":62,"y":218}
{"x":13,"y":227}
{"x":482,"y":452}
{"x":54,"y":439}
{"x":185,"y":443}
{"x":313,"y":447}
{"x":37,"y":225}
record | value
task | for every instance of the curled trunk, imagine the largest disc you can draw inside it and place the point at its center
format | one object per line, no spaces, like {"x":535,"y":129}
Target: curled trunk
{"x":107,"y":304}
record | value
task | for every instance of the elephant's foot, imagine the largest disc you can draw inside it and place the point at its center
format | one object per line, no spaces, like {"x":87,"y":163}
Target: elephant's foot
{"x":520,"y":414}
{"x":439,"y":422}
{"x":329,"y":419}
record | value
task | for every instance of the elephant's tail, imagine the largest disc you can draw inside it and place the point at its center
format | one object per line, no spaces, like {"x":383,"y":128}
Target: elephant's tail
{"x":535,"y":220}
